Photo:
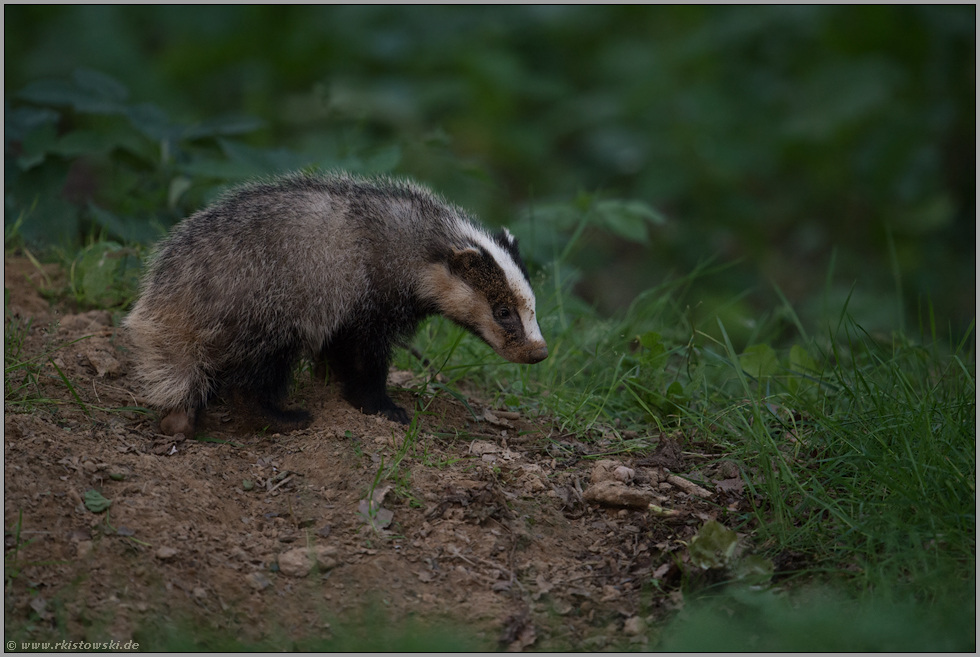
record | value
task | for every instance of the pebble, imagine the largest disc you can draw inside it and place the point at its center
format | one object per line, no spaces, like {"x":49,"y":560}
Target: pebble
{"x":166,"y":553}
{"x":298,"y":562}
{"x":634,"y":626}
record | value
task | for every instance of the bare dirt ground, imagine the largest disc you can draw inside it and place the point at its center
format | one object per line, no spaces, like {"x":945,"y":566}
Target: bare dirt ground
{"x":529,"y":538}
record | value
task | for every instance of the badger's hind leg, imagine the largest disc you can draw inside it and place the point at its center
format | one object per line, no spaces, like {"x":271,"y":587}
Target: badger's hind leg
{"x":263,"y":414}
{"x":362,"y":369}
{"x":259,"y":390}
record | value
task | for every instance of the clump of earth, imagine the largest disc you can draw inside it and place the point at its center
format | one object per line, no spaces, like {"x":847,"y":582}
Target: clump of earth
{"x":492,"y":519}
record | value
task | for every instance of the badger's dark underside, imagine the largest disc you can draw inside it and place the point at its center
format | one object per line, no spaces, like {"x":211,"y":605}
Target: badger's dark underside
{"x":357,"y":359}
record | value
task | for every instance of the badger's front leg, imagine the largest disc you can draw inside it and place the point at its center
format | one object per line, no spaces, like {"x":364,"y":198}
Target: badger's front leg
{"x":362,"y":369}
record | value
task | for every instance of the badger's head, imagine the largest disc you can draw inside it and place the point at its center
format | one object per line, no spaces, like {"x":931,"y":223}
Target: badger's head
{"x":484,"y":287}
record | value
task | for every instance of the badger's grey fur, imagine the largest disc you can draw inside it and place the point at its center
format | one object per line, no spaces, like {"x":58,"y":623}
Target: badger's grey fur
{"x":335,"y":268}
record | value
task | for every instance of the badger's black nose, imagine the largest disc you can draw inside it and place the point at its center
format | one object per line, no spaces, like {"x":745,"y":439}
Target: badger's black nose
{"x":538,"y":355}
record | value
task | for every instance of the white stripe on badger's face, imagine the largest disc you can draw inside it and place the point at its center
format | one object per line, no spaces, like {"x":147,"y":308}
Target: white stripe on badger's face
{"x":515,"y":278}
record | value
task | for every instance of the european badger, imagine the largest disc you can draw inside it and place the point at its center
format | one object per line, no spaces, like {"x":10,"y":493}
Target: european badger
{"x":335,"y":268}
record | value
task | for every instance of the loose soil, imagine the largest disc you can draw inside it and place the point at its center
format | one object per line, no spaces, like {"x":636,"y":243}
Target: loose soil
{"x":488,"y":518}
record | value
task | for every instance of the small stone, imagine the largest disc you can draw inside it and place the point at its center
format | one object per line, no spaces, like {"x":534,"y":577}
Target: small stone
{"x":105,"y":364}
{"x":533,"y":483}
{"x":563,"y":607}
{"x":200,"y":593}
{"x":606,"y":470}
{"x":597,"y":642}
{"x":615,"y":493}
{"x":326,"y":556}
{"x":39,"y":605}
{"x":624,"y":474}
{"x":482,"y":448}
{"x":298,"y":562}
{"x":258,"y":581}
{"x":83,"y":549}
{"x":166,"y":553}
{"x":634,"y":626}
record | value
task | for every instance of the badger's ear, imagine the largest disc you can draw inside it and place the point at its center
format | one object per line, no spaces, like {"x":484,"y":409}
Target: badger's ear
{"x":464,"y":260}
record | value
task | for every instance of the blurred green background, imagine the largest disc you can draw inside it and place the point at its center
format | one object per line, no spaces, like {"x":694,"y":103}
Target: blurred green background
{"x":826,"y":151}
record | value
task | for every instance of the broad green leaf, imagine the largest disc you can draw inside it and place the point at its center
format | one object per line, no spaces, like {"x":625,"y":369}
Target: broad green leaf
{"x":178,"y":185}
{"x":713,"y":546}
{"x":104,"y":274}
{"x":48,"y":217}
{"x":800,"y":361}
{"x":621,"y":219}
{"x":801,"y":366}
{"x":152,"y":122}
{"x":100,"y":85}
{"x":262,"y":161}
{"x":82,"y":142}
{"x":98,"y":271}
{"x":654,"y":355}
{"x":36,"y":145}
{"x":222,"y":126}
{"x":754,"y":570}
{"x":19,"y":122}
{"x":220,"y":169}
{"x":127,"y":229}
{"x":759,"y":361}
{"x":95,"y":502}
{"x":60,"y":92}
{"x":675,"y":391}
{"x":650,"y":339}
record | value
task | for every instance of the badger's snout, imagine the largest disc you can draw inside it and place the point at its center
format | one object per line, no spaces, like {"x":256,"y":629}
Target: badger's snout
{"x":537,"y":355}
{"x":529,"y":354}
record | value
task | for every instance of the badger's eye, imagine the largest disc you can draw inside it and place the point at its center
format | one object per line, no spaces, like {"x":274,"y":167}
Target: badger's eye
{"x":502,"y":313}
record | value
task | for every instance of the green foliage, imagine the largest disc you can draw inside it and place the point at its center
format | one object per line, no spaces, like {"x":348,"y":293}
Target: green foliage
{"x":713,"y":546}
{"x":84,"y":161}
{"x":96,"y":502}
{"x":105,"y":275}
{"x":370,"y":630}
{"x":818,"y":621}
{"x":766,"y":134}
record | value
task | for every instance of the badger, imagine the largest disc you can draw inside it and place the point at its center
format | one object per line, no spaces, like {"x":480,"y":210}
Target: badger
{"x":331,"y":267}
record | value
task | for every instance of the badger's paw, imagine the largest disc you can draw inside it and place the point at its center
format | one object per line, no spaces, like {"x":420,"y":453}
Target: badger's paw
{"x":280,"y":421}
{"x":396,"y":414}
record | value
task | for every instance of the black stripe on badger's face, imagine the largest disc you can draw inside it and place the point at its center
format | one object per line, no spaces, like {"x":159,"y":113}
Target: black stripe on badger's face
{"x":508,"y":243}
{"x":483,"y":288}
{"x":482,"y":273}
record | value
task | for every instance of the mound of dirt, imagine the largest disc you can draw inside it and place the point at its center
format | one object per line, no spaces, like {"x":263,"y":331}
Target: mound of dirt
{"x":485,"y":517}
